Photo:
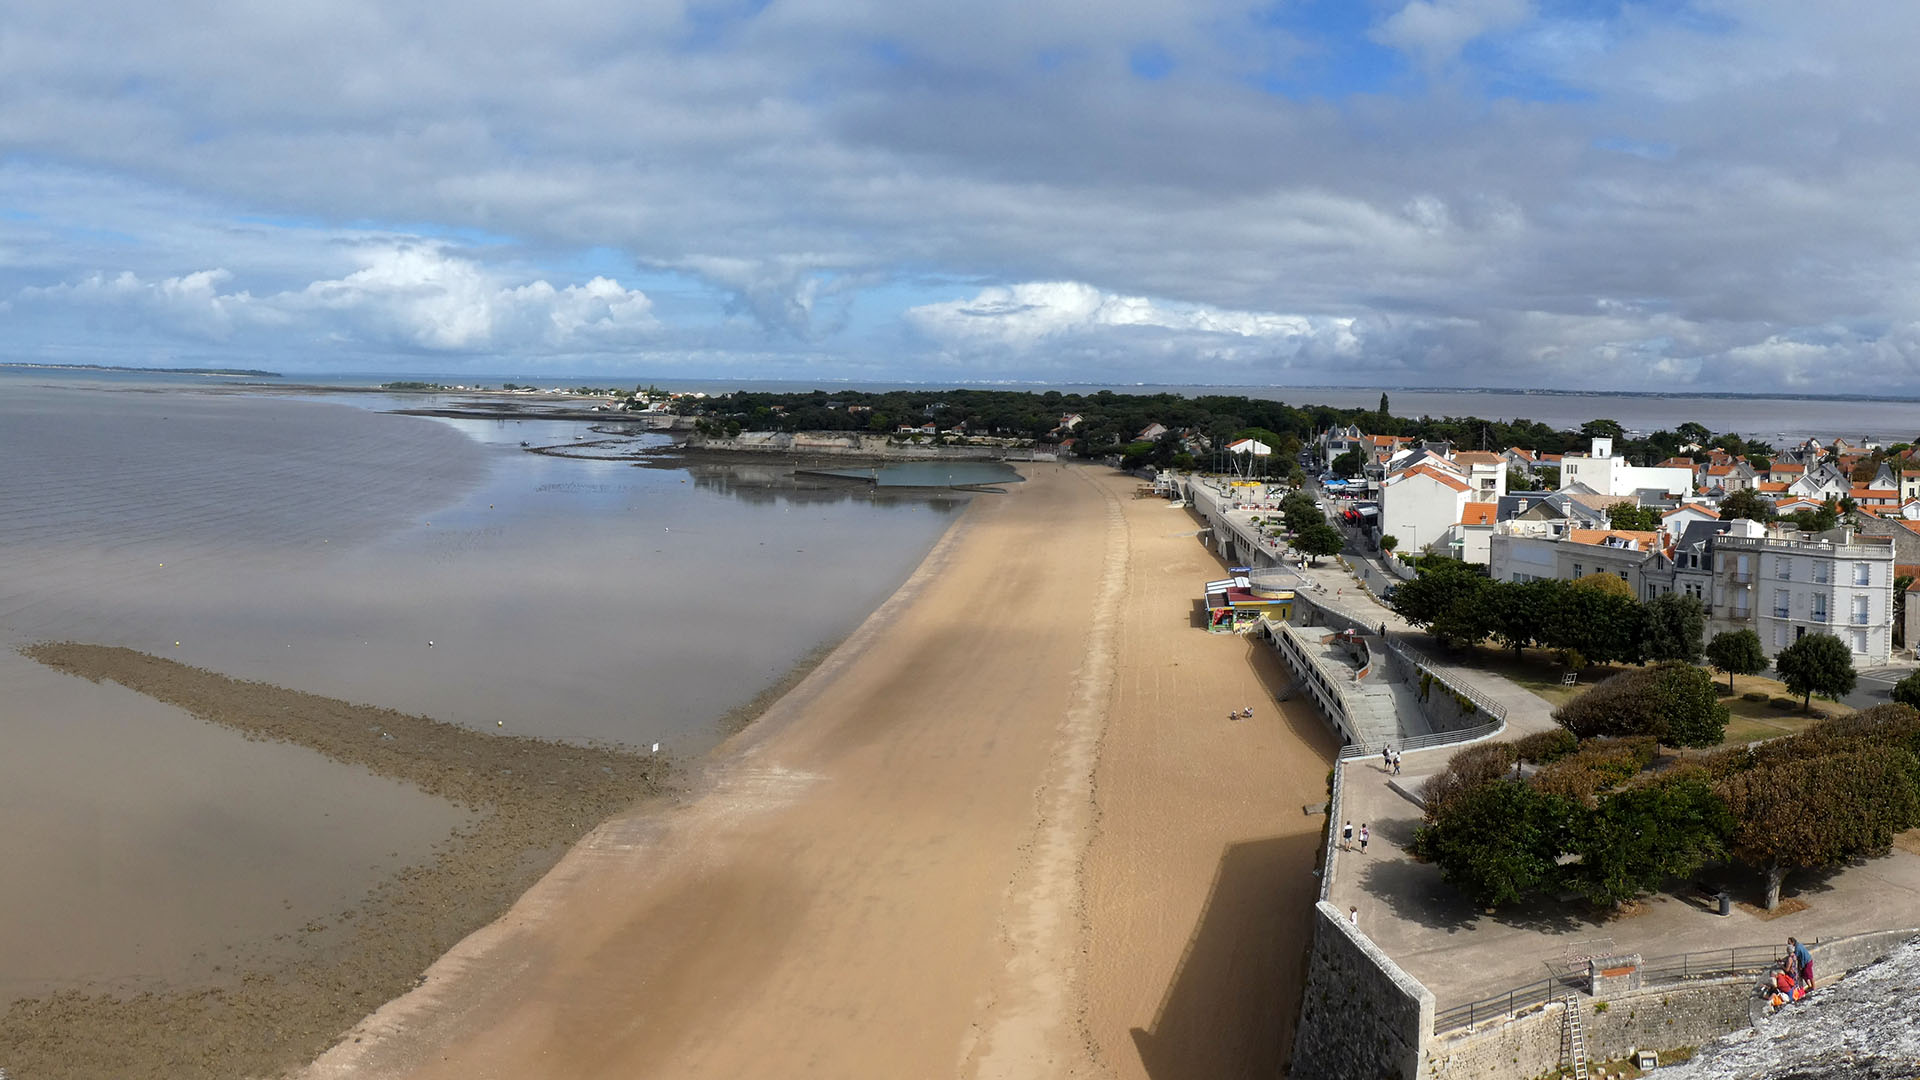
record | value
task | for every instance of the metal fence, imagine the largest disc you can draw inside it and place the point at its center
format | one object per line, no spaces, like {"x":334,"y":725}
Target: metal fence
{"x":1679,"y":967}
{"x":1447,"y":675}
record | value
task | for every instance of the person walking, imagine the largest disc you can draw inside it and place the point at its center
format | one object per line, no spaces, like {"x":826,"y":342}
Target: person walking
{"x":1353,"y":916}
{"x":1346,"y":837}
{"x":1364,"y":834}
{"x":1386,"y":757}
{"x":1396,"y":763}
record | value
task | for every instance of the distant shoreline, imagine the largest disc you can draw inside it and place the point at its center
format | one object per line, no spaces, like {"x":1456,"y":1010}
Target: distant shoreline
{"x":248,"y":372}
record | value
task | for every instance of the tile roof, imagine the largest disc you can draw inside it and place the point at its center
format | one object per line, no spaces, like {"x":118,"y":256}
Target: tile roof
{"x":1478,"y":513}
{"x":1707,"y":510}
{"x":1764,"y":486}
{"x":1476,"y":457}
{"x":1642,"y":541}
{"x":1433,"y":473}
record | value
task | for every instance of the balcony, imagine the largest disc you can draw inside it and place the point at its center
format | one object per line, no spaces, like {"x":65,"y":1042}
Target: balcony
{"x":1741,"y":577}
{"x":1859,"y":618}
{"x":1781,"y":613}
{"x":1818,"y":615}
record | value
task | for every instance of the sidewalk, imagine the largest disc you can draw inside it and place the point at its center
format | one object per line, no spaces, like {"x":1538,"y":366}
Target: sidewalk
{"x":1338,"y":589}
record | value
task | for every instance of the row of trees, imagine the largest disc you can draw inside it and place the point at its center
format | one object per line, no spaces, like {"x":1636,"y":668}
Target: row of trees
{"x":1109,"y":421}
{"x":1610,"y":820}
{"x":1595,"y":619}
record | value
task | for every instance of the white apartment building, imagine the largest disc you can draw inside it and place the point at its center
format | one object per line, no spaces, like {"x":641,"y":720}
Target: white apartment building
{"x":1783,"y":589}
{"x":1435,"y":502}
{"x":1605,"y":474}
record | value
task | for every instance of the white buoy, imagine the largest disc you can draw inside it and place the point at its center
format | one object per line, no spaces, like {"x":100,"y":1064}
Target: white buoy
{"x":429,"y":644}
{"x":502,"y":723}
{"x":656,"y":748}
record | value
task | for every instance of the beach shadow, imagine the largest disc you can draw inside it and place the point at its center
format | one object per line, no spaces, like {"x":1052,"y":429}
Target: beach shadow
{"x":1198,"y":619}
{"x":1230,"y":1008}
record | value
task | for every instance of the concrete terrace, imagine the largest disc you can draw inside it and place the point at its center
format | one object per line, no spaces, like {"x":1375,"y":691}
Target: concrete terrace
{"x":1463,"y":954}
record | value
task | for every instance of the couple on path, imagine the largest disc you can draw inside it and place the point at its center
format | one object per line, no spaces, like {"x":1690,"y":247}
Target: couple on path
{"x":1346,"y":837}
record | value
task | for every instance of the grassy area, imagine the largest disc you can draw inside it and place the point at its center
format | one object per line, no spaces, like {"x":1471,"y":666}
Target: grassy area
{"x":1536,"y":671}
{"x":1761,"y":720}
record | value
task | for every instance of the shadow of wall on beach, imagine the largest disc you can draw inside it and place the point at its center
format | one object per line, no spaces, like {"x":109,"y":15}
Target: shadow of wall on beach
{"x":1230,"y":1008}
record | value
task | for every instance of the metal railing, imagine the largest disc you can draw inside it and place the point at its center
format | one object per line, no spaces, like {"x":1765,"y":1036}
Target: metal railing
{"x":1505,"y":1006}
{"x":1678,"y":967}
{"x":1444,"y":673}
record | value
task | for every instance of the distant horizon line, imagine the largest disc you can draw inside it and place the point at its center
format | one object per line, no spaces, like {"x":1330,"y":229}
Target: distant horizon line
{"x":1042,"y":384}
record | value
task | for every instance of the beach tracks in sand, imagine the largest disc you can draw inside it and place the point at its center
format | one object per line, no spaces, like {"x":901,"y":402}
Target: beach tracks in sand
{"x":1034,"y":1025}
{"x":531,"y":798}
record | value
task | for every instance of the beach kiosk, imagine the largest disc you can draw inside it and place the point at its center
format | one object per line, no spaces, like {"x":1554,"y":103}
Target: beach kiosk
{"x":1233,"y":604}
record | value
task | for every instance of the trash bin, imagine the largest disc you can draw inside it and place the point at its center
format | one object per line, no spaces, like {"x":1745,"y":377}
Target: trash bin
{"x":1726,"y":903}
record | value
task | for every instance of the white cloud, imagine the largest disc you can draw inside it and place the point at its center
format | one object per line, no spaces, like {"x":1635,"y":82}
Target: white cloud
{"x":1434,"y":31}
{"x":415,"y":295}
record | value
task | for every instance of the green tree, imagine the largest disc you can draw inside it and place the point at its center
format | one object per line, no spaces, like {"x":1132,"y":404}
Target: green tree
{"x":1746,"y":503}
{"x":1521,"y":611}
{"x":1817,"y":664}
{"x":1820,"y":811}
{"x":1517,"y":481}
{"x":1547,"y":477}
{"x":1319,"y":539}
{"x":1736,"y":652}
{"x":1820,"y":520}
{"x":1498,"y":842}
{"x":1348,"y":464}
{"x":1675,"y":625}
{"x":1599,"y":623}
{"x":1603,"y":429}
{"x":1671,"y":701}
{"x":1907,"y":690}
{"x":1601,"y":581}
{"x":1383,"y":407}
{"x":1448,"y":597}
{"x":1637,"y":839}
{"x":1622,"y":515}
{"x":1389,"y":542}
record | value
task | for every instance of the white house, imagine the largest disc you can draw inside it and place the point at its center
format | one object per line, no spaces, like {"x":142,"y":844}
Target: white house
{"x":1675,"y":521}
{"x":1419,"y":505}
{"x":1605,"y":474}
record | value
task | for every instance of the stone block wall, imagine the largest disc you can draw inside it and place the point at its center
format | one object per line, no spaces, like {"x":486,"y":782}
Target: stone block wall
{"x":1361,"y":1017}
{"x":1659,"y":1019}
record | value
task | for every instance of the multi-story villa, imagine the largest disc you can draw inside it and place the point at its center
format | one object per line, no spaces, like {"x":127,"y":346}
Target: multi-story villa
{"x":1785,"y":588}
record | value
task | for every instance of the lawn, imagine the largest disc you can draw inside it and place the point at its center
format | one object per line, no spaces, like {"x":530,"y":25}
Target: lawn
{"x":1536,"y":671}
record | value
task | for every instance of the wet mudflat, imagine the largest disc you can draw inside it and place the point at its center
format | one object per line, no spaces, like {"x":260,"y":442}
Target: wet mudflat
{"x":530,"y":799}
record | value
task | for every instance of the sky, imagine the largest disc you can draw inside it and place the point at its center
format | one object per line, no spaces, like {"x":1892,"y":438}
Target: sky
{"x":1667,"y":195}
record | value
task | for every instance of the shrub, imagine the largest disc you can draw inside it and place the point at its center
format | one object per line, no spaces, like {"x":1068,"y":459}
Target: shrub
{"x":1498,"y":842}
{"x":1907,"y":690}
{"x":1785,"y":704}
{"x":1595,"y":767}
{"x":1470,"y":768}
{"x":1545,"y":746}
{"x":1754,"y":695}
{"x":1674,"y":702}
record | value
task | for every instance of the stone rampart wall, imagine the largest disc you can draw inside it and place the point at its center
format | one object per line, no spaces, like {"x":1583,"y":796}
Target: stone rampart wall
{"x":1361,"y":1017}
{"x":1530,"y":1045}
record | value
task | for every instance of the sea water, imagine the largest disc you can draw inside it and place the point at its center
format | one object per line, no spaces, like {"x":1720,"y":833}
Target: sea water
{"x":427,"y":565}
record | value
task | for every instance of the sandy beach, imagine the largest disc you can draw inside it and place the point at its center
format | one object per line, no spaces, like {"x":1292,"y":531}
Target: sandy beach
{"x":1004,"y":830}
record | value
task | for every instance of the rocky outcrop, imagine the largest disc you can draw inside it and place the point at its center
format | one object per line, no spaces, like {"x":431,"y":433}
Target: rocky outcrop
{"x":1865,"y":1027}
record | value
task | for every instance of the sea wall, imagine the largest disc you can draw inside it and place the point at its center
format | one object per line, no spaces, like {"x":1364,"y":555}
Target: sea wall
{"x":1361,"y":1017}
{"x":1529,"y":1045}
